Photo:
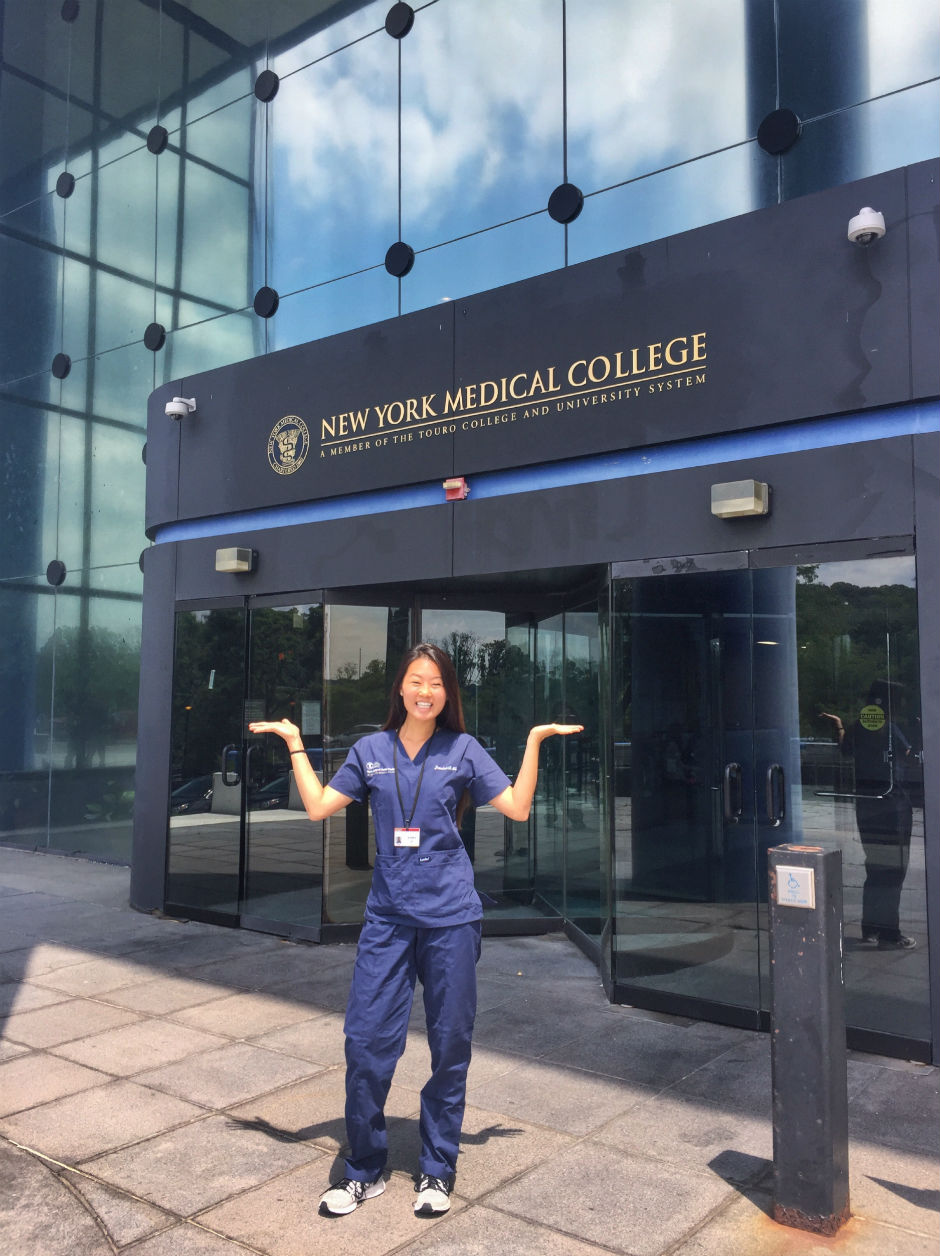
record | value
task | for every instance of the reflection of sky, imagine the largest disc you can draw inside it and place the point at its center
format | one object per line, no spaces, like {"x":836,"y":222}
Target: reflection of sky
{"x":355,"y":635}
{"x":870,"y":573}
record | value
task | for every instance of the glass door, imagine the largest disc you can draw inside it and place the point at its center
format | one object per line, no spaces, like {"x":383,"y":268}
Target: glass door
{"x":204,"y":860}
{"x":283,"y":864}
{"x":685,"y":844}
{"x":856,"y":646}
{"x":730,"y":678}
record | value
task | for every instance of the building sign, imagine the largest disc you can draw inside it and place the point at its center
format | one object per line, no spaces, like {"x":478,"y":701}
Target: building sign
{"x":639,"y":373}
{"x":712,"y":332}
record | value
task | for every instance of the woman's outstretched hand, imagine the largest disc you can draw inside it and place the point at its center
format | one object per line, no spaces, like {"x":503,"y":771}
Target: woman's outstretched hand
{"x":319,"y":800}
{"x":283,"y":728}
{"x":542,"y":731}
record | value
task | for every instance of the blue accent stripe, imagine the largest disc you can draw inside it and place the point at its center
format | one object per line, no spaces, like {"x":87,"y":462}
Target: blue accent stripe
{"x":849,"y":429}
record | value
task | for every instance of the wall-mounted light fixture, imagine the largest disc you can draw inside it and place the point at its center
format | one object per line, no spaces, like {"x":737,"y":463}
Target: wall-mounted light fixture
{"x":738,"y":498}
{"x":180,"y":407}
{"x":456,"y":489}
{"x":235,"y":560}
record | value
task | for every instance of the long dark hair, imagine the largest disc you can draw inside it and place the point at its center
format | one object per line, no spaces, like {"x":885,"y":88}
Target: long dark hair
{"x":452,"y":715}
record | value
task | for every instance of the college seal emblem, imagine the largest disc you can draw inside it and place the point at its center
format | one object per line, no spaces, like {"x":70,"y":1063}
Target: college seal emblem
{"x":288,"y":444}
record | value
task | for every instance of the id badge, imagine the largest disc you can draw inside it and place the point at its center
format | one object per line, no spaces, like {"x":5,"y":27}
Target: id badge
{"x":407,"y":837}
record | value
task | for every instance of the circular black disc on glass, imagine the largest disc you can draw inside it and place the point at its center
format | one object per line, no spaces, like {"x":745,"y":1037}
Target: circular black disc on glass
{"x":399,"y":20}
{"x":56,"y":572}
{"x":399,"y":259}
{"x":565,"y":203}
{"x":266,"y":302}
{"x":65,"y":184}
{"x":157,"y":139}
{"x":779,"y":131}
{"x":61,"y":365}
{"x":266,"y":85}
{"x":155,"y":336}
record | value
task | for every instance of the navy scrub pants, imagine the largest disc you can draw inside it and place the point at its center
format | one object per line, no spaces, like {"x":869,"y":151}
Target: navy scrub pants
{"x":389,"y":959}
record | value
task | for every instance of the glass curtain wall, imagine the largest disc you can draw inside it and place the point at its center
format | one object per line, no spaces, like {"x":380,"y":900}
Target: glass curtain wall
{"x":728,"y":690}
{"x":147,"y":192}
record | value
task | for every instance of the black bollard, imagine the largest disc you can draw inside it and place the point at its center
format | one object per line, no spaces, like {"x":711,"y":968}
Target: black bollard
{"x":810,"y":1100}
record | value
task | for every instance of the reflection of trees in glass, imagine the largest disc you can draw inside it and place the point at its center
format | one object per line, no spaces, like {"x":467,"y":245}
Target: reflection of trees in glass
{"x":96,"y":674}
{"x":286,"y":660}
{"x":357,"y":698}
{"x":849,"y":635}
{"x":208,"y":689}
{"x":357,"y":694}
{"x":495,"y":678}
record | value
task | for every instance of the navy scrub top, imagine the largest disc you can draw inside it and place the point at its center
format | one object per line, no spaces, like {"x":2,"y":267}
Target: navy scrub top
{"x":432,"y":884}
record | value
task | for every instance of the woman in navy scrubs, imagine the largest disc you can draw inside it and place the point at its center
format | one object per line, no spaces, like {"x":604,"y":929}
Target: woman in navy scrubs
{"x":422,"y":916}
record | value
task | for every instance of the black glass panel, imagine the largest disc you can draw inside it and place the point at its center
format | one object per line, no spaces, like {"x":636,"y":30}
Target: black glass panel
{"x":284,"y":872}
{"x":857,"y":656}
{"x":207,"y":760}
{"x":685,"y":868}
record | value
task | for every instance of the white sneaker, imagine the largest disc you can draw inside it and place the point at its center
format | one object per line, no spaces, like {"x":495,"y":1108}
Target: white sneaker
{"x":347,"y":1195}
{"x":433,"y":1195}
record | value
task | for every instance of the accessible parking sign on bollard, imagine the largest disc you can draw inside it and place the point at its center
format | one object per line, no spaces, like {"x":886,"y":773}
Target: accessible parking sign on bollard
{"x":808,"y":1055}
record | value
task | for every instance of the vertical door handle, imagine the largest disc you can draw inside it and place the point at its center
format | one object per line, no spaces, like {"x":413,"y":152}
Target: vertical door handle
{"x":776,"y":795}
{"x":230,"y":764}
{"x":733,"y":792}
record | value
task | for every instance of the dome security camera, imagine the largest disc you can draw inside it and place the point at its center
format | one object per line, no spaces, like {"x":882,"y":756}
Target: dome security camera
{"x":180,"y":407}
{"x":867,"y":225}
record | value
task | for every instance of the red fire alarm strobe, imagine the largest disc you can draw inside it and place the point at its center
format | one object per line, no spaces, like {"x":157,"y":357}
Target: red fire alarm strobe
{"x":456,"y":489}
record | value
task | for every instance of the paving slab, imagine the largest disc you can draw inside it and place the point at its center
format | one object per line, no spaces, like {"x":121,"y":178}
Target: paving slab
{"x":38,"y":1078}
{"x":193,"y":945}
{"x":625,"y":1204}
{"x":163,"y":994}
{"x":64,"y":1022}
{"x":39,"y":1216}
{"x":190,"y":1239}
{"x":509,"y":1027}
{"x":689,"y":1157}
{"x":124,"y":1218}
{"x":97,"y":975}
{"x":21,"y":996}
{"x":228,"y":1075}
{"x":485,"y":1232}
{"x":243,"y":1015}
{"x":188,"y":1170}
{"x":495,"y":1148}
{"x":289,"y":962}
{"x":93,"y":1121}
{"x":914,"y":1100}
{"x":312,"y":1110}
{"x":414,"y":1067}
{"x":693,"y":1133}
{"x":145,"y":1044}
{"x":894,"y":1187}
{"x":648,"y":1052}
{"x":745,"y":1226}
{"x":565,"y":1099}
{"x":319,"y":1039}
{"x":44,"y":957}
{"x":281,"y":1218}
{"x":322,"y":992}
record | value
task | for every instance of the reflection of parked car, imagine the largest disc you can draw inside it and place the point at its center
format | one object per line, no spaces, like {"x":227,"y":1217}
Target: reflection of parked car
{"x":274,"y":794}
{"x":192,"y":796}
{"x":352,"y":736}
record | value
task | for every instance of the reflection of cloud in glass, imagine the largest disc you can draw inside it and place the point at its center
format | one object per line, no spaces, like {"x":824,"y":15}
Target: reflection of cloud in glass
{"x":869,"y":573}
{"x":903,"y":47}
{"x":652,"y":84}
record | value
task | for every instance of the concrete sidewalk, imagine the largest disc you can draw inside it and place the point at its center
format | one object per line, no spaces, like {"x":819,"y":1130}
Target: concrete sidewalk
{"x":172,"y":1089}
